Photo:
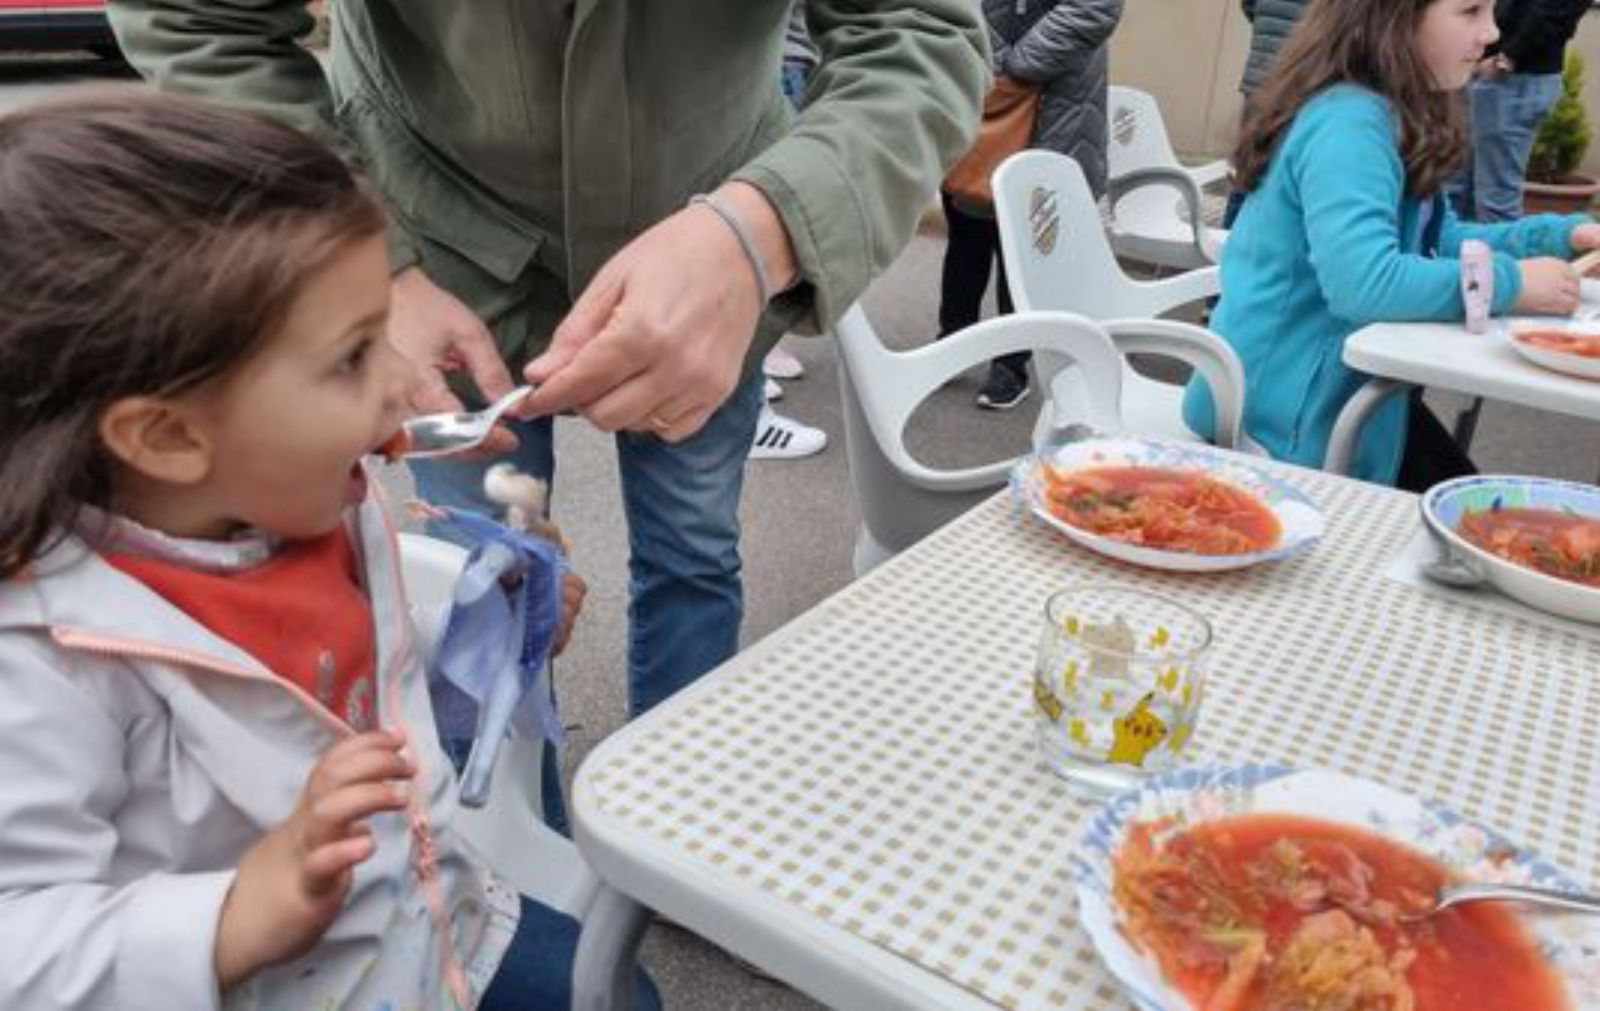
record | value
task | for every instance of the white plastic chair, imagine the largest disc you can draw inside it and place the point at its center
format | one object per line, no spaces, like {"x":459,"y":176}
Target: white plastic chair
{"x":1156,"y":202}
{"x":508,"y":832}
{"x":1057,"y":258}
{"x":903,"y":499}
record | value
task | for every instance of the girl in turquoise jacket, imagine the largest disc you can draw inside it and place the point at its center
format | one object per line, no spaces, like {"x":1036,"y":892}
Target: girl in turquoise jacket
{"x":1344,"y":154}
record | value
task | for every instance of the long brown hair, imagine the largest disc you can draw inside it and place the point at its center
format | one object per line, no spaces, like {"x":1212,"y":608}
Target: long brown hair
{"x":148,"y":244}
{"x":1370,"y":43}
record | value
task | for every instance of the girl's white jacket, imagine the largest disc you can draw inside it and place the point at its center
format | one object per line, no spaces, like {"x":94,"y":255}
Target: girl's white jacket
{"x":141,"y":755}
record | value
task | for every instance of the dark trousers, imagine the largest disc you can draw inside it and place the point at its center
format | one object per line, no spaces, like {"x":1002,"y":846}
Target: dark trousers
{"x":973,"y":249}
{"x":1432,"y":453}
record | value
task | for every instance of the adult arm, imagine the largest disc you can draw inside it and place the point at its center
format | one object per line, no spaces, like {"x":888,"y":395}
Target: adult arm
{"x":1346,"y":163}
{"x":1057,"y":41}
{"x":73,"y":940}
{"x":894,"y":102}
{"x":244,"y":52}
{"x":657,"y":339}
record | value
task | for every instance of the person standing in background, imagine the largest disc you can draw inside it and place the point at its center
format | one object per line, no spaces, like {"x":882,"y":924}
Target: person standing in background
{"x":1518,"y":83}
{"x":1271,"y":21}
{"x":1060,"y":45}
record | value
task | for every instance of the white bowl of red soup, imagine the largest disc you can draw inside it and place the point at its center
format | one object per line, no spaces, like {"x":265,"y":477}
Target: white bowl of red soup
{"x":1167,"y":505}
{"x":1572,"y":347}
{"x":1260,"y":889}
{"x":1534,"y":539}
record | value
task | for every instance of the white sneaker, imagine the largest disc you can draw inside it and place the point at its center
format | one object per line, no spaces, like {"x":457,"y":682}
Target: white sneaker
{"x":781,"y":364}
{"x":772,"y":391}
{"x":780,"y":438}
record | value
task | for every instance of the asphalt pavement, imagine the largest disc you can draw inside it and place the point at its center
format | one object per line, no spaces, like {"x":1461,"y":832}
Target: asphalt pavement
{"x":799,"y":519}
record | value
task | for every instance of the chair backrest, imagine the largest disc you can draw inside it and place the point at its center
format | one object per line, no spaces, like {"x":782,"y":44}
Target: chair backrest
{"x":1056,"y":252}
{"x":508,"y":832}
{"x":1138,"y":136}
{"x":902,"y":499}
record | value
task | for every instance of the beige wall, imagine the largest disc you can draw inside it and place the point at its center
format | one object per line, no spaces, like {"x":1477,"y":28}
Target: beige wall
{"x":1189,"y":54}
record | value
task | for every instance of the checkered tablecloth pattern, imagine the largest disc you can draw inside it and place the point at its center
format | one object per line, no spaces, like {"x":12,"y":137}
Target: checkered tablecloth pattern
{"x":880,"y":770}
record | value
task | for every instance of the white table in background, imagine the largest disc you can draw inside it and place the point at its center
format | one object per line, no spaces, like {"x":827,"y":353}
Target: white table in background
{"x":1401,"y":356}
{"x":857,"y":805}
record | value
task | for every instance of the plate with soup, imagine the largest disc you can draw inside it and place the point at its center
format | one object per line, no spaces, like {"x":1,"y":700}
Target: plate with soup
{"x":1167,"y":505}
{"x":1569,"y":346}
{"x":1261,"y":888}
{"x":1534,"y":539}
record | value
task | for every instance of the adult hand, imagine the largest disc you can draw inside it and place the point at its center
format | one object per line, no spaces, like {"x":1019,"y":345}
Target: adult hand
{"x":657,"y":340}
{"x":437,"y":331}
{"x":1549,"y":287}
{"x":295,"y":879}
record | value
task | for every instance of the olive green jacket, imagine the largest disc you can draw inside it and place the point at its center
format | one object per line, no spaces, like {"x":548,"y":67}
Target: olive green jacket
{"x":652,"y":101}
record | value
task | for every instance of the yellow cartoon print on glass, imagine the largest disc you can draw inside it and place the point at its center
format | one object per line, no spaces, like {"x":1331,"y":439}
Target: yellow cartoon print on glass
{"x":1138,"y":733}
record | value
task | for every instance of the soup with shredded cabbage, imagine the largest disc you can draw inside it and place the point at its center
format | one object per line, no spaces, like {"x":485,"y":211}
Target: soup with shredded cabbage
{"x":1556,"y":543}
{"x":1280,"y":912}
{"x":1162,"y":507}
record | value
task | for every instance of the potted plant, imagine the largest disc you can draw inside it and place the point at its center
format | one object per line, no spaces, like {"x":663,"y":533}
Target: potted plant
{"x":1554,"y":183}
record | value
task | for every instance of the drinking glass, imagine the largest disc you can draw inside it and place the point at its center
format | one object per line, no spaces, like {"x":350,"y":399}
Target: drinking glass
{"x":1118,"y":684}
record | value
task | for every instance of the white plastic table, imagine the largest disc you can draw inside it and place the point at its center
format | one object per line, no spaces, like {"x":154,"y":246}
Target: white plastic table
{"x":1400,"y":356}
{"x":857,"y":804}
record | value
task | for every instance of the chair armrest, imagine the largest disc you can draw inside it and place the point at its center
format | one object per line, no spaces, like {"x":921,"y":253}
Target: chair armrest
{"x":1177,"y":179}
{"x":1206,"y":351}
{"x":1210,"y":173}
{"x":1181,"y":289}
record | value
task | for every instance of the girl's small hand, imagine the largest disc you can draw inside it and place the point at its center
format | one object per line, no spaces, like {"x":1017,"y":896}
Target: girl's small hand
{"x":573,"y":590}
{"x":293,"y":882}
{"x":1549,"y":287}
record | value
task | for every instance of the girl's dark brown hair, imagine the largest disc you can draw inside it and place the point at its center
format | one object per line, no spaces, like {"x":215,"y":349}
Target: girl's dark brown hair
{"x":1370,"y":43}
{"x":148,"y":243}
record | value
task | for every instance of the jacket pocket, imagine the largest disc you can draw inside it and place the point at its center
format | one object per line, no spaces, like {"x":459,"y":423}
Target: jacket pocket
{"x":435,"y":199}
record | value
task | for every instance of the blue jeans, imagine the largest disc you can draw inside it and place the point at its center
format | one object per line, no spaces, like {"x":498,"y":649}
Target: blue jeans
{"x":536,"y":972}
{"x":1506,"y":113}
{"x":686,"y":599}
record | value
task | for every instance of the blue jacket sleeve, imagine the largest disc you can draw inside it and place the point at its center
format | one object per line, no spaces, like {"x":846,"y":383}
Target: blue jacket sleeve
{"x":1345,"y":160}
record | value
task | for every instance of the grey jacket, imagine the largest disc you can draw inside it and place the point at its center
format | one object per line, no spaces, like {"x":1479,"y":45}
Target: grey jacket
{"x":1062,"y":45}
{"x":1271,"y":22}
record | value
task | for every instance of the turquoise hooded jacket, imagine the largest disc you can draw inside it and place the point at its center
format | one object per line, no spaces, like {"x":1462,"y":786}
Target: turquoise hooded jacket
{"x":1327,"y":243}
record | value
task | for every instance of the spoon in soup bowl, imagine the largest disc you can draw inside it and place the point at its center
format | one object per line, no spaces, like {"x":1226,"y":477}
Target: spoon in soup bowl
{"x":1483,"y":891}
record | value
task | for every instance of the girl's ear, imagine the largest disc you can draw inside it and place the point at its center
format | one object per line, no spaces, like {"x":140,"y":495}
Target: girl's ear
{"x":158,"y":438}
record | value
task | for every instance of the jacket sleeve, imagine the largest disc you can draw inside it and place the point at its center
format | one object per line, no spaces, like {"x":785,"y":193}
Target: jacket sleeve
{"x":72,"y":940}
{"x":1346,"y":162}
{"x":1546,"y":25}
{"x":894,"y":102}
{"x":1056,"y":42}
{"x":1535,"y":235}
{"x":244,"y":52}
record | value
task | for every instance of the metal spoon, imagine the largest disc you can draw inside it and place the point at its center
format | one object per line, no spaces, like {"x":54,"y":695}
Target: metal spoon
{"x":455,"y":432}
{"x":1479,"y":891}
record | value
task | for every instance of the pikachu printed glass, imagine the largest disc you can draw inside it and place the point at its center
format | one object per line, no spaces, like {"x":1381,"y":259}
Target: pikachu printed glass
{"x":1118,"y":684}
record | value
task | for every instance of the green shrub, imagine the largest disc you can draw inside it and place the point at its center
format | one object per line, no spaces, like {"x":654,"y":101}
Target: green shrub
{"x":1564,"y":135}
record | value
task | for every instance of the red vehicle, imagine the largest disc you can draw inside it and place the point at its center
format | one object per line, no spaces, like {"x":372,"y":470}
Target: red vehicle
{"x":56,"y":24}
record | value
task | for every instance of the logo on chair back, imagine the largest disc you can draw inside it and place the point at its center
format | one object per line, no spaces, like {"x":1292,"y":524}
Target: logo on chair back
{"x":1123,"y":125}
{"x":1044,"y":222}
